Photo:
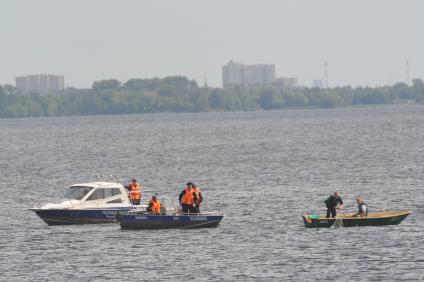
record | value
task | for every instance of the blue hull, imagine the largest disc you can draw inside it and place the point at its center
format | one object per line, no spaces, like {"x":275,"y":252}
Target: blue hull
{"x":149,"y":221}
{"x":82,"y":216}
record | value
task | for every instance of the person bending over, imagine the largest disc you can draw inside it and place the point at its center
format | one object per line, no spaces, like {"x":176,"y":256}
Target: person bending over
{"x":332,"y":202}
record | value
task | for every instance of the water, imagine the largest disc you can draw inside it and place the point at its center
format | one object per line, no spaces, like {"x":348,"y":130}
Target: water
{"x":268,"y":167}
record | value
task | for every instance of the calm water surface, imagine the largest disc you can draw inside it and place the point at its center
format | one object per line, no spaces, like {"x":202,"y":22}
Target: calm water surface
{"x":267,"y":167}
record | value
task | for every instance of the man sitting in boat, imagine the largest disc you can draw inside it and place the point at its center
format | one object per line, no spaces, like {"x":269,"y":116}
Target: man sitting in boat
{"x":186,"y":199}
{"x":362,"y":207}
{"x":332,"y":203}
{"x":134,"y":192}
{"x":198,"y":198}
{"x":154,"y":205}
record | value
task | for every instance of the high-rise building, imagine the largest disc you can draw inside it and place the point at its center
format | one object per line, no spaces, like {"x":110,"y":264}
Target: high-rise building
{"x":235,"y":74}
{"x":40,"y":83}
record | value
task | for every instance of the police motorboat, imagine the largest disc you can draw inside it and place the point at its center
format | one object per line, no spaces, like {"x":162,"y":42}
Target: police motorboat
{"x":94,"y":202}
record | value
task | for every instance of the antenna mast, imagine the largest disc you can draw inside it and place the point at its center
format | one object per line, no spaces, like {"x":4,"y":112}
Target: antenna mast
{"x":326,"y":74}
{"x":407,"y":72}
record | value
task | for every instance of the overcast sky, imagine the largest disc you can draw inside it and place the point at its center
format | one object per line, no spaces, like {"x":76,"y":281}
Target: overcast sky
{"x":364,"y":42}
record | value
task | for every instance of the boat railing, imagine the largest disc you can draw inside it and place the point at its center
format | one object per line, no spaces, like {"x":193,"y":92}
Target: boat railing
{"x":171,"y":208}
{"x":221,"y":208}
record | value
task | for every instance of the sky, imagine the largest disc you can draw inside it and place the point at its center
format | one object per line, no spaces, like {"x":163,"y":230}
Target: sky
{"x":365,"y":43}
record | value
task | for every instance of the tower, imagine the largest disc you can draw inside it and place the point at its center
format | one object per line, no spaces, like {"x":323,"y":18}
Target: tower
{"x":407,"y":72}
{"x":326,"y":74}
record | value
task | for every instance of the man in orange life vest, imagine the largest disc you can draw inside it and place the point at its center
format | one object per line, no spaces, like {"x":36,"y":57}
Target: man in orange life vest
{"x":198,"y":198}
{"x":135,"y":193}
{"x":186,"y":199}
{"x":154,"y":205}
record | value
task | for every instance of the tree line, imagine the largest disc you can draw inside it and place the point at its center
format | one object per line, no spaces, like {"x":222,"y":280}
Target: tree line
{"x":179,"y":94}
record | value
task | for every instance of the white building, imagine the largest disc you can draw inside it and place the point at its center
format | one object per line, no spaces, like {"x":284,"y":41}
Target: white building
{"x":235,"y":74}
{"x":40,"y":83}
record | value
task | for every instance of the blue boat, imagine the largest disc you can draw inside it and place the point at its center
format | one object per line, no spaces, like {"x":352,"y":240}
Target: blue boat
{"x":87,"y":203}
{"x":143,"y":220}
{"x":78,"y":216}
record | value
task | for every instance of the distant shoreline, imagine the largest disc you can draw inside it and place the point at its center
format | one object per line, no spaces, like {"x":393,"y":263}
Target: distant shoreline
{"x":306,"y":109}
{"x":180,"y":95}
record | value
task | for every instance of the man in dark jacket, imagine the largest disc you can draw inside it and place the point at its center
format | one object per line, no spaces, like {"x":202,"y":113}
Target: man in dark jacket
{"x":332,"y":203}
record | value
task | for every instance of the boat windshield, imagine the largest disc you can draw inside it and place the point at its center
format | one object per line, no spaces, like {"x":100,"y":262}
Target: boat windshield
{"x":77,"y":192}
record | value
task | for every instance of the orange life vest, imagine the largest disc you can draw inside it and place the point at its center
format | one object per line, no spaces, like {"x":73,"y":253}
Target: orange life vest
{"x":188,"y":197}
{"x":155,"y":206}
{"x":133,"y":186}
{"x":135,"y":194}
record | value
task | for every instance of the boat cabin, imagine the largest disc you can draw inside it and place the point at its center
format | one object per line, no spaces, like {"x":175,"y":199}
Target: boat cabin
{"x":99,"y":194}
{"x":94,"y":195}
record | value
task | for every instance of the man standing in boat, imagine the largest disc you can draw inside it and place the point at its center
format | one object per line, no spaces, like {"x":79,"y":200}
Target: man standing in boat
{"x":134,"y":191}
{"x":362,"y":207}
{"x":332,"y":203}
{"x":186,"y":199}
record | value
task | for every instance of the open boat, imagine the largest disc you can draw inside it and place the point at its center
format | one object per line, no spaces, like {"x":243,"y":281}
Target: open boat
{"x":170,"y":217}
{"x":130,"y":220}
{"x":94,"y":202}
{"x":348,"y":220}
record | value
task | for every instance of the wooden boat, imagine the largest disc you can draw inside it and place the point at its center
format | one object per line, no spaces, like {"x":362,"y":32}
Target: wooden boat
{"x":349,"y":220}
{"x":144,"y":220}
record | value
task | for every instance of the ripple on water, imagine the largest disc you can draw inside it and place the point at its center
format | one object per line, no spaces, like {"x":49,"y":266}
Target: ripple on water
{"x":268,"y":167}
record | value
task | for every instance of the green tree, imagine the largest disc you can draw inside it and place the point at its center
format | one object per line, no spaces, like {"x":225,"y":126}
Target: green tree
{"x":267,"y":99}
{"x":9,"y":89}
{"x":177,"y":81}
{"x":296,"y":99}
{"x":216,"y":100}
{"x":402,"y":91}
{"x":200,"y":101}
{"x":418,"y":89}
{"x":108,"y":84}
